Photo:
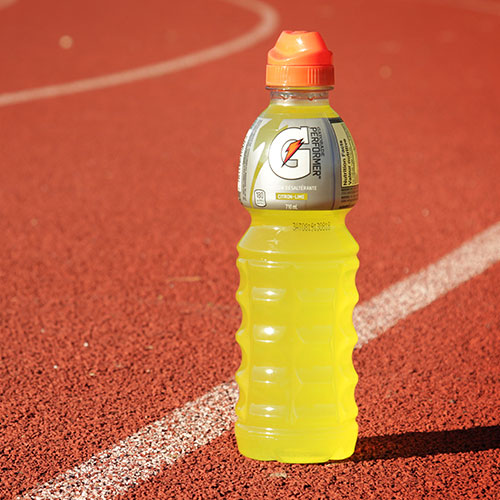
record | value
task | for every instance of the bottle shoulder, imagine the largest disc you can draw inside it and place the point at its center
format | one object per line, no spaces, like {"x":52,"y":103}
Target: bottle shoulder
{"x":298,"y":111}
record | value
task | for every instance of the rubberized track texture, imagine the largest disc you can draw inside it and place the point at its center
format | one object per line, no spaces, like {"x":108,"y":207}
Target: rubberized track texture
{"x":121,"y":126}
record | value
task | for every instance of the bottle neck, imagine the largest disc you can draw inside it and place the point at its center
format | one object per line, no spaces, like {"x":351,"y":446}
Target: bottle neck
{"x":303,"y":97}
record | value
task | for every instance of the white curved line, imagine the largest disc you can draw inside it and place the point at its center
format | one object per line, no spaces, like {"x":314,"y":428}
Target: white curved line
{"x":266,"y":26}
{"x":6,"y":3}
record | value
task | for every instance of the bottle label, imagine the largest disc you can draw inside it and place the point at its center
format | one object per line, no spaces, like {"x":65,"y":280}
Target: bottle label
{"x":298,"y":164}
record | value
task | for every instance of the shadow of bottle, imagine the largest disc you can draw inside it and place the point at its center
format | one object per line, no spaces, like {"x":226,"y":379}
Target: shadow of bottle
{"x":422,"y":444}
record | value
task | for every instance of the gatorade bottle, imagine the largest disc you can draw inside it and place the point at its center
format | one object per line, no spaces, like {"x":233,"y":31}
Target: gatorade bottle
{"x":298,"y":178}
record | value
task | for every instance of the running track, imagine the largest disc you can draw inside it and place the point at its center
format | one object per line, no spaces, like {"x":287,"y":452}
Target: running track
{"x":119,"y":221}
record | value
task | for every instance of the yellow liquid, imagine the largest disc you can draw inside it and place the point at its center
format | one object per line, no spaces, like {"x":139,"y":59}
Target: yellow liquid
{"x":297,"y":293}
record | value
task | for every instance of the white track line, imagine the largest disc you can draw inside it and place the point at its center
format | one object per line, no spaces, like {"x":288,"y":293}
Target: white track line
{"x":142,"y":455}
{"x":267,"y":24}
{"x":6,"y":3}
{"x":421,"y":289}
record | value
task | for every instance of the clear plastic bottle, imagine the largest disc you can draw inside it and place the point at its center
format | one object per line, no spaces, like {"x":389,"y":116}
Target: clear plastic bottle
{"x":298,"y":179}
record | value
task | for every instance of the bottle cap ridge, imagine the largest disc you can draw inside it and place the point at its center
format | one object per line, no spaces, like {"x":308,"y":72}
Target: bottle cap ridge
{"x":299,"y":59}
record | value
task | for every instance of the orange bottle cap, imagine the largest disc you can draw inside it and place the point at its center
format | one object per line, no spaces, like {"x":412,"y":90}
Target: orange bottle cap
{"x":299,"y":59}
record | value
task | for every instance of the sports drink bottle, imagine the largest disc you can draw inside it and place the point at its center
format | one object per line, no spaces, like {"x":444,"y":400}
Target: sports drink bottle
{"x":298,"y":178}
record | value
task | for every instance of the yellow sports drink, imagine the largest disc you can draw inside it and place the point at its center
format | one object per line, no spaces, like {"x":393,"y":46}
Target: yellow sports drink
{"x":298,"y":178}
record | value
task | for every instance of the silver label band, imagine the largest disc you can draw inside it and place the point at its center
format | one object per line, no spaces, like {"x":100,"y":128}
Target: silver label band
{"x":298,"y":164}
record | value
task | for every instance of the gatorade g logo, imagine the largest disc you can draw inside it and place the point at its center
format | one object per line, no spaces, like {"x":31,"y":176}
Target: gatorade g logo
{"x":286,"y":158}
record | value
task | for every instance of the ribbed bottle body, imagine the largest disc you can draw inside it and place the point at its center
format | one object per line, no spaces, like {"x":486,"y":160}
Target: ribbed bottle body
{"x":297,"y":293}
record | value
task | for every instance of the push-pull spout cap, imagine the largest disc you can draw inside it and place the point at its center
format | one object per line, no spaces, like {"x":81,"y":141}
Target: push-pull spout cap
{"x":299,"y":59}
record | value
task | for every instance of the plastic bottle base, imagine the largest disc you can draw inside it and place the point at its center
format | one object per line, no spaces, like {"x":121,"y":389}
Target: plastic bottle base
{"x":296,"y":446}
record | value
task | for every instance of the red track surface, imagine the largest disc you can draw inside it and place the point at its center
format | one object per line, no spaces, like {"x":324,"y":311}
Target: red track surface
{"x":119,"y":220}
